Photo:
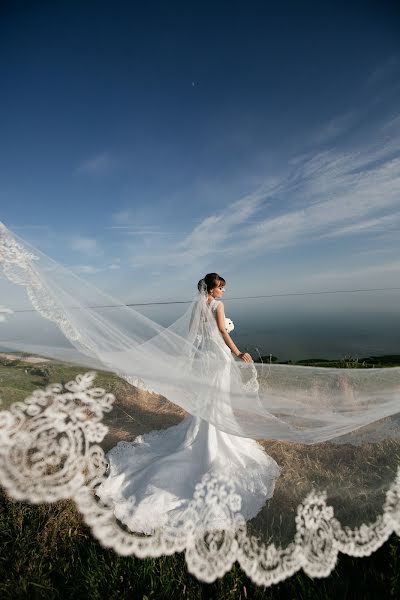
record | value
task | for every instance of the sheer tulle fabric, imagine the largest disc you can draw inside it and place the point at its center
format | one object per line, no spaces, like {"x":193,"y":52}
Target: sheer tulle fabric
{"x":153,"y":478}
{"x":320,"y":479}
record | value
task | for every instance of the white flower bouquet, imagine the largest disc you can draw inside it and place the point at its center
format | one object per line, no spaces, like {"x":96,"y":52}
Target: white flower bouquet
{"x":229,"y":326}
{"x":4,"y":311}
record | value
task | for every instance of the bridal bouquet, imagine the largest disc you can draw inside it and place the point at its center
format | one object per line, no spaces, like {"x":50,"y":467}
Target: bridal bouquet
{"x":4,"y":311}
{"x":229,"y":326}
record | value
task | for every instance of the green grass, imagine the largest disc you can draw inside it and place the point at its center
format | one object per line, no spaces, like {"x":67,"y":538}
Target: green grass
{"x":46,"y":551}
{"x":347,"y":362}
{"x":19,"y":379}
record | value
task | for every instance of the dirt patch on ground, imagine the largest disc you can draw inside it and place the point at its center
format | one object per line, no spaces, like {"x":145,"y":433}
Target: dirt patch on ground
{"x":136,"y":412}
{"x":25,"y":359}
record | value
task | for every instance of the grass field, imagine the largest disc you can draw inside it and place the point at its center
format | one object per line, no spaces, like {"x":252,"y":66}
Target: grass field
{"x":46,"y":551}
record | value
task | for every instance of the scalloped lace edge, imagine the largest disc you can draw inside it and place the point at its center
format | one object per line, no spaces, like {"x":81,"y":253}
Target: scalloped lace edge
{"x":57,"y":431}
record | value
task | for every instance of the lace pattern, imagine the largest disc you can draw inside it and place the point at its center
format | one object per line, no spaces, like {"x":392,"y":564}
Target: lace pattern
{"x":137,"y":382}
{"x":49,"y":450}
{"x":18,"y":267}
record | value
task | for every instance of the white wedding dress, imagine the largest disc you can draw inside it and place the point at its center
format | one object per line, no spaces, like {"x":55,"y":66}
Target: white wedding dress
{"x":153,"y":478}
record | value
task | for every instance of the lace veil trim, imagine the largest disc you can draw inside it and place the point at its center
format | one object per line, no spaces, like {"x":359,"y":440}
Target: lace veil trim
{"x":49,"y":450}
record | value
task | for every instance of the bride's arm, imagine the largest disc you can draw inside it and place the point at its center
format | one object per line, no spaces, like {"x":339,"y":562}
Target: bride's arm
{"x":220,"y":316}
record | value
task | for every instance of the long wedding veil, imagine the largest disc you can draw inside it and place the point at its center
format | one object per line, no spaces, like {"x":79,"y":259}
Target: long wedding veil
{"x":334,"y":432}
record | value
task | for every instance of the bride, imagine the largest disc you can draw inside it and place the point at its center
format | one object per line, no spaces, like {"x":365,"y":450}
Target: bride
{"x":169,"y":479}
{"x":152,"y":479}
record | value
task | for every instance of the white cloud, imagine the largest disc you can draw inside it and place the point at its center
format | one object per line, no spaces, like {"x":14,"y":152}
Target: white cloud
{"x":339,"y":194}
{"x":208,"y":238}
{"x":322,"y":195}
{"x":387,"y":222}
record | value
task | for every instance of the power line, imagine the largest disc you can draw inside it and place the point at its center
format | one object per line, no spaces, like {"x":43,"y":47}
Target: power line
{"x":288,"y":294}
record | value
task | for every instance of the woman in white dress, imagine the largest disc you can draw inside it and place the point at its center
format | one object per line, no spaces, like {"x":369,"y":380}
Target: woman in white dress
{"x":153,"y":478}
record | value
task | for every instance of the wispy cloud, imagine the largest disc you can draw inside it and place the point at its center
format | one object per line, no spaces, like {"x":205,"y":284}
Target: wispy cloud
{"x":123,"y":218}
{"x":214,"y":230}
{"x":392,"y":126}
{"x":125,"y":223}
{"x":16,"y":227}
{"x":86,"y":246}
{"x":209,"y":236}
{"x":101,"y":163}
{"x":385,"y":70}
{"x":337,"y":194}
{"x":364,"y":274}
{"x":145,"y":230}
{"x":386,"y":223}
{"x":85,"y":269}
{"x":336,"y":127}
{"x":324,"y":194}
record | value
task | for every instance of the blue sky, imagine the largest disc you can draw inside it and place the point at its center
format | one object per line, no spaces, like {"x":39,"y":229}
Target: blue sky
{"x":144,"y":146}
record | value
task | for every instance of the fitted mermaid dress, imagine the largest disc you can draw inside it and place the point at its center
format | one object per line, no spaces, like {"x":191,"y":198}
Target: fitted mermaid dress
{"x":152,"y":479}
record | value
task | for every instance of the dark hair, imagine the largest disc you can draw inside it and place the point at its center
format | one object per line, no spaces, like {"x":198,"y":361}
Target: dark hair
{"x":211,"y":280}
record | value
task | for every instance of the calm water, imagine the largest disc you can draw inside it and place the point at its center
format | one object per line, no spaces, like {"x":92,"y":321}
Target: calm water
{"x":289,"y":328}
{"x":315,"y":327}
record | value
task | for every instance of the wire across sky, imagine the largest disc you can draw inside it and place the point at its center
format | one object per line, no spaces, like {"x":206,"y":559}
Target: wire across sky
{"x":287,"y":294}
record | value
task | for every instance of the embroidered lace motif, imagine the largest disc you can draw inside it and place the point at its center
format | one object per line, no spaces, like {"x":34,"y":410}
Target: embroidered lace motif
{"x":49,"y":450}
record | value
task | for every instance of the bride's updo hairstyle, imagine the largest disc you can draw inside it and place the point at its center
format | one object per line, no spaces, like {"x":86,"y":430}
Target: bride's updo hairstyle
{"x":211,"y":280}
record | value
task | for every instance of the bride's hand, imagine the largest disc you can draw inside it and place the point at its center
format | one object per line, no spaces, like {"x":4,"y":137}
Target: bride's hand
{"x":245,"y":356}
